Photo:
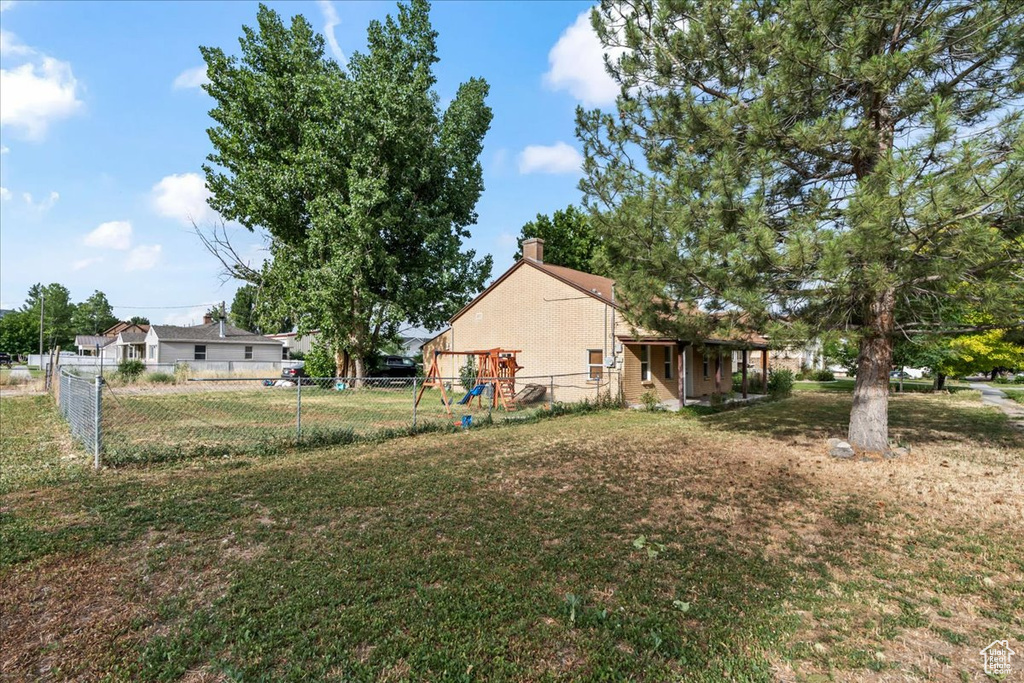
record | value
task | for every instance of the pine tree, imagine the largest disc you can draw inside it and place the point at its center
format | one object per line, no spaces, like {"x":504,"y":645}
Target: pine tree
{"x":824,"y":165}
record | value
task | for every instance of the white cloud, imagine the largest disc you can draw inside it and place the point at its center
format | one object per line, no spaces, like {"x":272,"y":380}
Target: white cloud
{"x":86,"y":262}
{"x":191,"y":78}
{"x":330,"y":21}
{"x":577,"y":65}
{"x":183,"y":198}
{"x":42,"y":206}
{"x":36,"y":93}
{"x":506,"y":240}
{"x":10,"y":46}
{"x":143,"y":257}
{"x":5,"y":194}
{"x":6,"y":5}
{"x":4,"y":149}
{"x":556,"y":158}
{"x":190,"y":317}
{"x":111,"y":235}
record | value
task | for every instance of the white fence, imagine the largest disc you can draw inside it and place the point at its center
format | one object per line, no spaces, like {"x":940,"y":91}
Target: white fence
{"x":93,"y":364}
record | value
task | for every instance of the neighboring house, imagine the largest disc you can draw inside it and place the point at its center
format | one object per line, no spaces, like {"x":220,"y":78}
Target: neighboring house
{"x":411,"y":340}
{"x":292,"y":343}
{"x":809,"y":356}
{"x":570,"y":332}
{"x":211,"y":341}
{"x":112,"y":346}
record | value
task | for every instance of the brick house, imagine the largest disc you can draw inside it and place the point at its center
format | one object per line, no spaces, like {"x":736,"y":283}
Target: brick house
{"x":567,"y":324}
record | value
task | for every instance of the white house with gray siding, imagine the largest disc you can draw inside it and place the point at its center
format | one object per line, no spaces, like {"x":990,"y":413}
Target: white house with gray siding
{"x":209,"y":343}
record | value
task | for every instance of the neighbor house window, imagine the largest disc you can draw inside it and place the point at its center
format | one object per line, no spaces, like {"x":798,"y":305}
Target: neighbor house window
{"x":248,"y":353}
{"x":284,"y":353}
{"x":200,"y":352}
{"x":645,"y":363}
{"x":152,"y":351}
{"x":668,"y":362}
{"x":595,"y":364}
{"x":707,"y":364}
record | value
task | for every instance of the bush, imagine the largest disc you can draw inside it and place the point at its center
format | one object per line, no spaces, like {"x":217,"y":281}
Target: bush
{"x":823,"y":376}
{"x":320,"y":361}
{"x":780,"y":383}
{"x":650,"y":401}
{"x":160,"y":377}
{"x":130,"y":370}
{"x":753,"y":382}
{"x":1019,"y":379}
{"x":467,"y":374}
{"x":181,"y":373}
{"x":297,"y":355}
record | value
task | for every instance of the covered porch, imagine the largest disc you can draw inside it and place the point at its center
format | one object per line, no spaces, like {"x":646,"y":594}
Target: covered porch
{"x":681,"y":373}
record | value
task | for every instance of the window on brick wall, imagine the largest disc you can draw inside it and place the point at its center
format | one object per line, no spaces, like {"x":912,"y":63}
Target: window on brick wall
{"x":595,"y":364}
{"x":668,"y":362}
{"x":645,"y":363}
{"x":707,"y":364}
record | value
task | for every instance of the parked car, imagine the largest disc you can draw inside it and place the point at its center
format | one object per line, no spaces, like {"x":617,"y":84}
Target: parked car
{"x":394,"y":366}
{"x":294,"y":371}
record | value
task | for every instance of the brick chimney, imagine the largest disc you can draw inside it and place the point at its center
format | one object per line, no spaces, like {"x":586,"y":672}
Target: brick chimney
{"x":533,"y":249}
{"x":207,"y":319}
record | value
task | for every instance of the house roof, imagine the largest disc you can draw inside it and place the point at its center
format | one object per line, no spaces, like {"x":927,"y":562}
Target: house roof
{"x":92,"y":340}
{"x":123,"y":325}
{"x":209,"y":332}
{"x":597,"y":286}
{"x":601,"y":288}
{"x":132,"y":337}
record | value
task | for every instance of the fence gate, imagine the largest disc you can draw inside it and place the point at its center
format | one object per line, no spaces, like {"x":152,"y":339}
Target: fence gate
{"x":80,"y":402}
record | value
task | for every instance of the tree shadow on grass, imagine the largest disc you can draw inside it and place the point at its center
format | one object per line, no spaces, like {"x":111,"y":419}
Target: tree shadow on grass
{"x":917,"y":419}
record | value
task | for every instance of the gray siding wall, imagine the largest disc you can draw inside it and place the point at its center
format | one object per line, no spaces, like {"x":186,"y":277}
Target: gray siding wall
{"x":170,"y":352}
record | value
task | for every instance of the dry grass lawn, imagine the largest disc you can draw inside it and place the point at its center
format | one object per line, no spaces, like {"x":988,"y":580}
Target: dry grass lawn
{"x":615,"y":545}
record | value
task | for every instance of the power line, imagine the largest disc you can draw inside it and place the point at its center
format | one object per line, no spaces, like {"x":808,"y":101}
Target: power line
{"x":165,"y":308}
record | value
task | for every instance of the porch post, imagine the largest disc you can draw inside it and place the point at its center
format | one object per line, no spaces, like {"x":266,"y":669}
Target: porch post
{"x":718,"y":371}
{"x":764,"y":371}
{"x":744,"y":373}
{"x":681,"y":372}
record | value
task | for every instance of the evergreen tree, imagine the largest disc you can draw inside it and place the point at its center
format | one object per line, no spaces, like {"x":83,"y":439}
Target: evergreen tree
{"x":365,"y":188}
{"x":828,"y":165}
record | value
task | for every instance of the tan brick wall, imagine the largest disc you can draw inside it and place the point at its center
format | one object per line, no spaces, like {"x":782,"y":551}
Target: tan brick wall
{"x":551,"y":323}
{"x":667,"y":389}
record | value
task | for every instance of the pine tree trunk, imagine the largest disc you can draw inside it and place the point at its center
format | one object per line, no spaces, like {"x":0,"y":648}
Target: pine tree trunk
{"x":869,"y":417}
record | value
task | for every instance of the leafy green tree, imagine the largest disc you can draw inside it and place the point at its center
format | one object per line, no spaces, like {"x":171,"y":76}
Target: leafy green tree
{"x":58,"y":314}
{"x":19,"y":332}
{"x":138,"y":320}
{"x":569,"y":239}
{"x":249,"y":313}
{"x":365,"y":188}
{"x":94,"y":315}
{"x":827,"y":165}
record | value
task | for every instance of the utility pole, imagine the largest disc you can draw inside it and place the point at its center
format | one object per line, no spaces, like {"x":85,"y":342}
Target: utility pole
{"x":42,"y":306}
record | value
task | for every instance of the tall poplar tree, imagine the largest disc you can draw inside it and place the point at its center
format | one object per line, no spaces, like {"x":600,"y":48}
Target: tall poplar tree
{"x":364,"y":187}
{"x":834,"y":164}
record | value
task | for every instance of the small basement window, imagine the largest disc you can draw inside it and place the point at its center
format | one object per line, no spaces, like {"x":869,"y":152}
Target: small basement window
{"x":200,"y":352}
{"x":248,"y":353}
{"x":595,"y":364}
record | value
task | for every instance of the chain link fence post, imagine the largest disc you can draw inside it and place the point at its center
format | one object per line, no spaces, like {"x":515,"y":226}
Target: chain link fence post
{"x":414,"y":382}
{"x":97,"y":418}
{"x":298,"y":410}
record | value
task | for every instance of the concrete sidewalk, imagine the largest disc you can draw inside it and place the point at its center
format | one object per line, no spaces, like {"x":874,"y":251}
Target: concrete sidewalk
{"x":992,"y":396}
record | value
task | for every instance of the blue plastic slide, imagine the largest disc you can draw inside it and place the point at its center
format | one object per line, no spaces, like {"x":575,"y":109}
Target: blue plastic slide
{"x":475,"y":391}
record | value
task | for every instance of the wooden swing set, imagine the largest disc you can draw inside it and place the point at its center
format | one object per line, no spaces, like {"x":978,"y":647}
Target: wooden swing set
{"x":495,"y":367}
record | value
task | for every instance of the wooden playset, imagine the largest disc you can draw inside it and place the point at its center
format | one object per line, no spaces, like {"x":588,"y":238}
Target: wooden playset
{"x":496,"y":368}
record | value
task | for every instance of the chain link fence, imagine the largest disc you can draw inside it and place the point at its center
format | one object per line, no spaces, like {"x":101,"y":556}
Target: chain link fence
{"x":153,"y":421}
{"x":81,"y":403}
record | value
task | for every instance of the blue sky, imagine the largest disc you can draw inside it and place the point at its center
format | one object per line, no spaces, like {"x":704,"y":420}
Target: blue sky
{"x":103,"y":132}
